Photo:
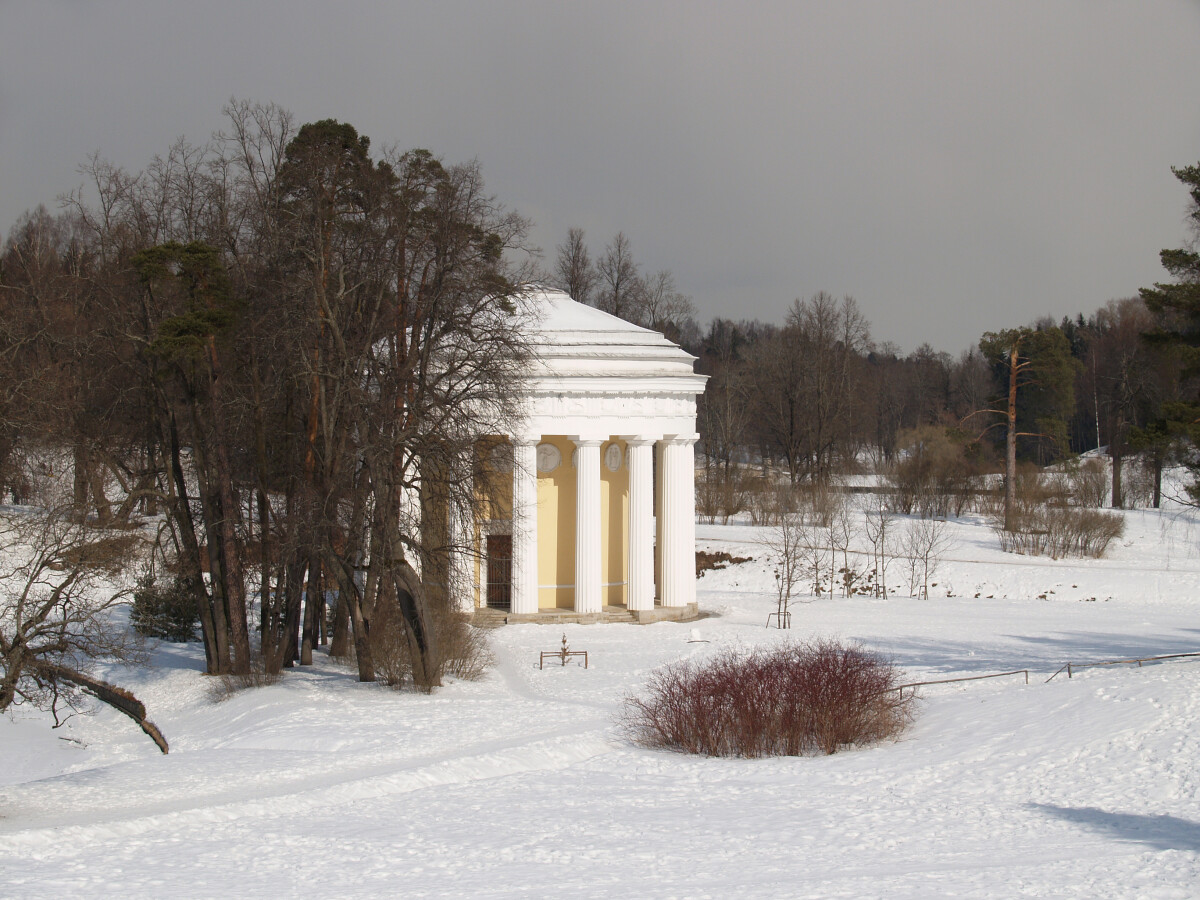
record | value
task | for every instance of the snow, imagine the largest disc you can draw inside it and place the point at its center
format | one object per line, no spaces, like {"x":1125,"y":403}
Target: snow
{"x":522,"y":784}
{"x":557,"y":312}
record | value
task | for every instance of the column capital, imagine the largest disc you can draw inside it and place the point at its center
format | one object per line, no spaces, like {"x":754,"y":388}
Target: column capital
{"x":526,"y":438}
{"x":587,"y":440}
{"x":681,"y":440}
{"x":640,"y":440}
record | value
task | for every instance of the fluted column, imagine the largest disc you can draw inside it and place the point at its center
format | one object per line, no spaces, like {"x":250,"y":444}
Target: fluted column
{"x":587,"y":526}
{"x":524,"y":531}
{"x":641,"y":523}
{"x":679,"y":521}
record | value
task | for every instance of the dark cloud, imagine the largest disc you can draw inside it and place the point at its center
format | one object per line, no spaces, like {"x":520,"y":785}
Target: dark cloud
{"x":954,"y":166}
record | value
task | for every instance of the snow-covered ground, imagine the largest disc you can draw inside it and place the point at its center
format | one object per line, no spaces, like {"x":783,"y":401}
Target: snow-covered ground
{"x":522,"y":785}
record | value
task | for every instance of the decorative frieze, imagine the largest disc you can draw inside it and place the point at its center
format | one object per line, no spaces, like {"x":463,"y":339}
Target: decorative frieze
{"x":616,"y":404}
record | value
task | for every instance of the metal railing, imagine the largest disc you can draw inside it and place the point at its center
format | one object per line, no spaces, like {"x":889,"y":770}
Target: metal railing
{"x":916,"y":684}
{"x":1071,"y":667}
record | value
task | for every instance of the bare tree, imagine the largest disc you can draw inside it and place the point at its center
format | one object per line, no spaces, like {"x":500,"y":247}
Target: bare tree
{"x":843,"y":528}
{"x":809,"y":380}
{"x":878,"y":524}
{"x":326,"y":331}
{"x":785,"y":544}
{"x":665,"y":309}
{"x":573,"y":269}
{"x":59,"y":591}
{"x":621,"y":289}
{"x":925,"y":541}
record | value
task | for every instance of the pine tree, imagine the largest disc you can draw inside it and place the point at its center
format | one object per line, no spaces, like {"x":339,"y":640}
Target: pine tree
{"x":1177,"y":305}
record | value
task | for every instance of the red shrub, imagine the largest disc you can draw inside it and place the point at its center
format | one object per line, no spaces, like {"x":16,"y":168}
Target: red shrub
{"x":783,"y":701}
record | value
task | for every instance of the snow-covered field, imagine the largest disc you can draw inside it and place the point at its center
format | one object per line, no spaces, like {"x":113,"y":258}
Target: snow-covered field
{"x":521,"y":785}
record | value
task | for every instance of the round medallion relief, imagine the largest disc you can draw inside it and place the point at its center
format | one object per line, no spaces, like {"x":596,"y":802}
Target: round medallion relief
{"x":612,"y":457}
{"x":549,"y":457}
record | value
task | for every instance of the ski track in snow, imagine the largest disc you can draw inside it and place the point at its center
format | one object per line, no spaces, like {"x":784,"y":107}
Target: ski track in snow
{"x":522,"y":784}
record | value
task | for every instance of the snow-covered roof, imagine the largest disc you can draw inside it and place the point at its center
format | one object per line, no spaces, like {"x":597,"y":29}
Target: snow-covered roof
{"x":581,"y":352}
{"x":571,"y":338}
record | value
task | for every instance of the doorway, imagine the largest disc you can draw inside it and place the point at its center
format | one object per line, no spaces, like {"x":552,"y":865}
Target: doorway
{"x":499,"y":571}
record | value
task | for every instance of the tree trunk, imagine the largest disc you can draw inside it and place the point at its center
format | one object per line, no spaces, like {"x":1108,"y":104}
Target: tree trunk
{"x":312,"y":604}
{"x":1117,"y":452}
{"x":80,"y":480}
{"x":339,"y":641}
{"x":212,"y":623}
{"x":1158,"y":467}
{"x":235,"y":582}
{"x":1010,"y":446}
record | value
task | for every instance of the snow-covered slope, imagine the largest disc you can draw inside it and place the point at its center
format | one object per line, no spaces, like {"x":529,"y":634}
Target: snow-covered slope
{"x":522,"y":785}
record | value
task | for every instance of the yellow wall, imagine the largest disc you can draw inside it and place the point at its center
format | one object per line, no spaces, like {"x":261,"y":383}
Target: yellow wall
{"x":556,"y":522}
{"x":556,"y":530}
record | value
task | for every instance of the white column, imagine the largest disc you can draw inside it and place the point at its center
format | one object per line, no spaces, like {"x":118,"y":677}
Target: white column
{"x":659,"y":517}
{"x":524,"y":531}
{"x":679,"y":521}
{"x":641,"y":523}
{"x":588,"y":597}
{"x":463,"y":554}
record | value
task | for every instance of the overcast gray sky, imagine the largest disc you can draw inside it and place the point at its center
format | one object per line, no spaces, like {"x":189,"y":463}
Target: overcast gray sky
{"x":955,"y":166}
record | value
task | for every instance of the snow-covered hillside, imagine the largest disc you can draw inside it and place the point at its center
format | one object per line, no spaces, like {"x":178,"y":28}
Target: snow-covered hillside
{"x":522,"y":785}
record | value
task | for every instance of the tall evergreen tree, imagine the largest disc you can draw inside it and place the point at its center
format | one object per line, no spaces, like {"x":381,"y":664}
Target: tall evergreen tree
{"x":1177,"y":306}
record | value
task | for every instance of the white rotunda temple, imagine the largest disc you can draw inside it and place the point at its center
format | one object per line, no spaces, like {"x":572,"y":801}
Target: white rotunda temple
{"x":599,"y":516}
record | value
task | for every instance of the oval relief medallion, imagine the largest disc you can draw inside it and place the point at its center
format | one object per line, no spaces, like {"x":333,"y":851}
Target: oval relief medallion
{"x":548,"y":457}
{"x":612,"y":457}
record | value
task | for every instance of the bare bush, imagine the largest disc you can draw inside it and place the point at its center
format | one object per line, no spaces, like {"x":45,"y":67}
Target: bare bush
{"x":1087,"y":482}
{"x":466,"y":653}
{"x":788,"y":700}
{"x":932,"y":477}
{"x":766,"y":503}
{"x":1044,"y":525}
{"x":1139,"y":483}
{"x":463,"y":651}
{"x":1059,"y":531}
{"x":721,"y":496}
{"x":819,"y":500}
{"x":225,"y":686}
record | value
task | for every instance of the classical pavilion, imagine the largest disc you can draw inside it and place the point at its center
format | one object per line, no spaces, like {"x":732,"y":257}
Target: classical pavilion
{"x":598,"y":515}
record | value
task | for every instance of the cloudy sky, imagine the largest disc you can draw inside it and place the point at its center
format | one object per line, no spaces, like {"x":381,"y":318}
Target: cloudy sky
{"x":955,"y":166}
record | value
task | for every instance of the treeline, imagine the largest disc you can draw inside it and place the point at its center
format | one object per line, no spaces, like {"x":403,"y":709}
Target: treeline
{"x":815,"y":397}
{"x":287,"y":344}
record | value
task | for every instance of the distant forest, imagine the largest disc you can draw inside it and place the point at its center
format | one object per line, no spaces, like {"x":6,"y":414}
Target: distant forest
{"x":814,"y":396}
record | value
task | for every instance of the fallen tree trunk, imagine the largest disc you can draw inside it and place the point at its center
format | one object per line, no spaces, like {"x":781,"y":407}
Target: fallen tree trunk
{"x":118,"y":698}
